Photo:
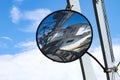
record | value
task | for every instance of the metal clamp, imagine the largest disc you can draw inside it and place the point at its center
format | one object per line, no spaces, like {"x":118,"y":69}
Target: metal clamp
{"x":69,"y":6}
{"x":115,"y":69}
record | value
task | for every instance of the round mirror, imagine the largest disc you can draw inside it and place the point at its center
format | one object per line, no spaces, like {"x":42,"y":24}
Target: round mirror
{"x":64,"y":35}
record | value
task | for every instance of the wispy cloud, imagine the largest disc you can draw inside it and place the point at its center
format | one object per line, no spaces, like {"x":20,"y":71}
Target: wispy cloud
{"x":19,"y":0}
{"x":33,"y":16}
{"x":37,"y":14}
{"x":4,"y":41}
{"x":6,"y":38}
{"x":15,"y":14}
{"x":26,"y":45}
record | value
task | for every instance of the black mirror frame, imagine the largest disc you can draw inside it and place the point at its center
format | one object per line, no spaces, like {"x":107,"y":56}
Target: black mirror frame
{"x":70,"y":60}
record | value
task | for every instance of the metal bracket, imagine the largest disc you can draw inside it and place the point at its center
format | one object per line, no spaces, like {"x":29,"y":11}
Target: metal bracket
{"x":96,"y":1}
{"x":106,"y":70}
{"x":109,"y":70}
{"x":69,"y":6}
{"x":115,"y":69}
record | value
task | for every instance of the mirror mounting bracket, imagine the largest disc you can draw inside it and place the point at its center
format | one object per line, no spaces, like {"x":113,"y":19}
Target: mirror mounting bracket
{"x":106,"y":70}
{"x":69,"y":6}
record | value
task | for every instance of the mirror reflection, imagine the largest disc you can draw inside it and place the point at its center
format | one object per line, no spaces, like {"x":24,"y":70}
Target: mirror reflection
{"x":64,"y":36}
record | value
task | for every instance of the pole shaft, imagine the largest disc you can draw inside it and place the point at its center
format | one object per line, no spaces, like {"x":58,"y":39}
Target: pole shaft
{"x":104,"y":35}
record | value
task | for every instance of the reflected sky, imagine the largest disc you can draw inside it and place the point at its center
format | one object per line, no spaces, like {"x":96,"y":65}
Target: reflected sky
{"x":75,"y":19}
{"x":48,"y":23}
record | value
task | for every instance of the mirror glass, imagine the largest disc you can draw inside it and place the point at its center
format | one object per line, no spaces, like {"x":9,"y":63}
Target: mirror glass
{"x":64,"y":35}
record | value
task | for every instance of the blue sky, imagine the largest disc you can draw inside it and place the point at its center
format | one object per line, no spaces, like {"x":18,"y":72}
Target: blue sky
{"x":18,"y":29}
{"x":19,"y":20}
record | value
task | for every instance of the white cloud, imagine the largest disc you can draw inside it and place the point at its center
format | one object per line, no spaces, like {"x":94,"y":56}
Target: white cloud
{"x":15,"y":14}
{"x":32,"y":65}
{"x":6,"y":57}
{"x":117,"y":52}
{"x":33,"y":16}
{"x":98,"y":54}
{"x":26,"y":45}
{"x":36,"y":15}
{"x":6,"y":38}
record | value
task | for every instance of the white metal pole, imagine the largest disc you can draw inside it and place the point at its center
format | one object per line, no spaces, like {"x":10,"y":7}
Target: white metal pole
{"x":103,"y":29}
{"x":88,"y":72}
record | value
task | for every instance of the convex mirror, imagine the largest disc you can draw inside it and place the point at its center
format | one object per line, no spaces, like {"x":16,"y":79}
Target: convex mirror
{"x":64,"y":35}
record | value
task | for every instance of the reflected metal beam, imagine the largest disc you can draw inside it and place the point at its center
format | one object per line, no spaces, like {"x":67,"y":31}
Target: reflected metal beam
{"x":62,"y":18}
{"x":104,"y":34}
